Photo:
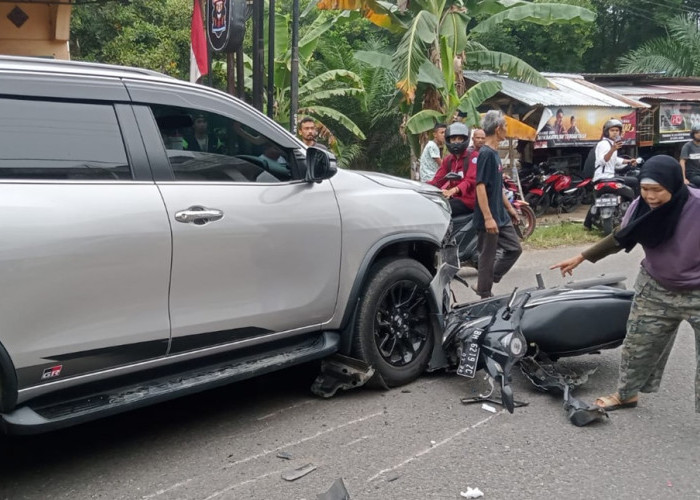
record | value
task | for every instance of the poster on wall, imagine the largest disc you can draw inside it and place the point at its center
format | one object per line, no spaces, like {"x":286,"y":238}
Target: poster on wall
{"x":582,"y":126}
{"x":676,"y":120}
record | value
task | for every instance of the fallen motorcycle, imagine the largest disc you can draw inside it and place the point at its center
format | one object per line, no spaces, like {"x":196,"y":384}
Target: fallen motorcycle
{"x":533,"y":328}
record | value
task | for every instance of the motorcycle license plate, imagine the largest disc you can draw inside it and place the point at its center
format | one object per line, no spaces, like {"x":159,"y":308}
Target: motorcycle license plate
{"x":606,"y":202}
{"x":469,"y":357}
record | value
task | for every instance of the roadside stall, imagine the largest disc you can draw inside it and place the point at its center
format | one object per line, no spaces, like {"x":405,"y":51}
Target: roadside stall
{"x":568,"y":116}
{"x":673,"y":108}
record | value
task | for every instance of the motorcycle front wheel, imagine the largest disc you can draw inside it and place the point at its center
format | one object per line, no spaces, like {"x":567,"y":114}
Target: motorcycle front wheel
{"x":528,"y":221}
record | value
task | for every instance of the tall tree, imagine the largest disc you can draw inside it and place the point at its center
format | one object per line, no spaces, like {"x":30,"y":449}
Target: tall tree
{"x":676,"y":54}
{"x":143,"y":33}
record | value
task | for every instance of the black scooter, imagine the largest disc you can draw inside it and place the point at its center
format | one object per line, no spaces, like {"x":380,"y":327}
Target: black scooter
{"x":533,"y":328}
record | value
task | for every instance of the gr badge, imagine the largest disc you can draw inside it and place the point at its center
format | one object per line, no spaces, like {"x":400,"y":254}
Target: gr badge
{"x":51,"y":372}
{"x":225,"y":24}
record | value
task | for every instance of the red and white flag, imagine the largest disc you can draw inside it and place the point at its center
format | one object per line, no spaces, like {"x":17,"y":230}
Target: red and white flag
{"x":199,"y":65}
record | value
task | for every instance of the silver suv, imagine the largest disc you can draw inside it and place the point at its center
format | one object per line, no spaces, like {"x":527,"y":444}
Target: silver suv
{"x":161,"y":238}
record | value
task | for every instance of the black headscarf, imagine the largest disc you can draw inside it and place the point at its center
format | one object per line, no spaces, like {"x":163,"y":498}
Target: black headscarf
{"x":650,"y":227}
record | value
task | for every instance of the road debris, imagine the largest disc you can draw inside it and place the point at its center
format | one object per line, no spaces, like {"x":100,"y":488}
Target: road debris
{"x":471,"y":493}
{"x":337,"y":491}
{"x":294,"y":474}
{"x":488,"y":408}
{"x":285,"y":455}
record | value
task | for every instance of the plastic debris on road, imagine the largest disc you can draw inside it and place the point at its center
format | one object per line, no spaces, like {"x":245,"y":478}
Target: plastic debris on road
{"x":285,"y":455}
{"x":471,"y":493}
{"x":294,"y":474}
{"x":337,"y":491}
{"x":488,"y":408}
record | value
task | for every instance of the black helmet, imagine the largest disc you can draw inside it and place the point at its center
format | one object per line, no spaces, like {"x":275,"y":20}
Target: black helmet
{"x":454,"y":130}
{"x":694,"y":130}
{"x":611,"y":124}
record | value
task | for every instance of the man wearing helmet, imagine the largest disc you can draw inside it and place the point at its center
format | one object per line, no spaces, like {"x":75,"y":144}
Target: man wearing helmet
{"x":607,"y":163}
{"x":459,"y":193}
{"x":690,"y":157}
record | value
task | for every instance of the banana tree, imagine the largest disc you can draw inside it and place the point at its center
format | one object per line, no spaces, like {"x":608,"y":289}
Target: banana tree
{"x":436,"y":47}
{"x":314,"y":90}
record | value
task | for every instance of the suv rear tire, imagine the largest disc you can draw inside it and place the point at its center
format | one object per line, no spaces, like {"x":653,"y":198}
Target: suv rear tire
{"x":394,"y":328}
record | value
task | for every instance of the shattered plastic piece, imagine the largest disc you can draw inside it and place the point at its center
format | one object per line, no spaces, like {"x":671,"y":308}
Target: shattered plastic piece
{"x":433,"y":443}
{"x":285,"y":455}
{"x":393,"y":477}
{"x":341,"y":372}
{"x":471,"y":493}
{"x":337,"y":491}
{"x":487,"y":408}
{"x":294,"y":474}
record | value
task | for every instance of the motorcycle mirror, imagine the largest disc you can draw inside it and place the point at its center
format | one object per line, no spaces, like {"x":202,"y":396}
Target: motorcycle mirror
{"x":511,"y":301}
{"x":507,"y":396}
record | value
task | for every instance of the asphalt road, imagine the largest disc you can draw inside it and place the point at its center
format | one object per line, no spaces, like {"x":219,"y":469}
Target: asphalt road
{"x":417,"y":442}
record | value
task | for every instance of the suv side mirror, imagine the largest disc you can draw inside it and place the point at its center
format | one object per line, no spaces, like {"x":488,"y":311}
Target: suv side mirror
{"x":318,"y":165}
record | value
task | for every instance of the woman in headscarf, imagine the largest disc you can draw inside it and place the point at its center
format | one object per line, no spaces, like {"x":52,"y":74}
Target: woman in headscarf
{"x":665,"y":221}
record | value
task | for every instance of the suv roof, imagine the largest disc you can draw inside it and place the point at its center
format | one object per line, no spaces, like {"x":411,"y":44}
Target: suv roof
{"x":36,"y":64}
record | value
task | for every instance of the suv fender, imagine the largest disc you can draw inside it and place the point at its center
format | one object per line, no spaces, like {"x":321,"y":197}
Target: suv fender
{"x":418,"y":246}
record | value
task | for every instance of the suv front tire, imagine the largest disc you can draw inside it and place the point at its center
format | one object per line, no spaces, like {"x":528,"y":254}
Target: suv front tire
{"x":394,"y":327}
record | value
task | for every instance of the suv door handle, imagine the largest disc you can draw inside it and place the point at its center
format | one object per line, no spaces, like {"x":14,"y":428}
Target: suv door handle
{"x":198,"y":215}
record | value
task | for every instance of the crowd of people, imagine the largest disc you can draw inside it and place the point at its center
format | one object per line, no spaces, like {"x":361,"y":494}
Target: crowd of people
{"x":662,"y":220}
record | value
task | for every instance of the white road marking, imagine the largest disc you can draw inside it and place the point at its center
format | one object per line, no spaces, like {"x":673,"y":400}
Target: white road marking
{"x":303,"y":440}
{"x":270,"y":415}
{"x":432,"y":447}
{"x":355,"y":441}
{"x":166,"y":490}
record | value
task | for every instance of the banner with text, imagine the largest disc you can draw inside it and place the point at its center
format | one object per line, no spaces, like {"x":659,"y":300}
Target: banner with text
{"x":582,"y":126}
{"x":676,"y":120}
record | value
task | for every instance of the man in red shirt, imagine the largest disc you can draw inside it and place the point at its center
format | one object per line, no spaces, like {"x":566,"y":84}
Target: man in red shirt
{"x":461,"y":193}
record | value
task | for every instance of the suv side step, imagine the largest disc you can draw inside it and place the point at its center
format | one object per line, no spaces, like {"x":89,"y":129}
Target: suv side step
{"x":35,"y":418}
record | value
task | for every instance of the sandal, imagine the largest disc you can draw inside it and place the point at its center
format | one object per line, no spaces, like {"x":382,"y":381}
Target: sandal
{"x":613,"y":402}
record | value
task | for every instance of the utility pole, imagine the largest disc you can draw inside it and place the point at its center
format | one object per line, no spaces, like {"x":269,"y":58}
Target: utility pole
{"x":294,"y":89}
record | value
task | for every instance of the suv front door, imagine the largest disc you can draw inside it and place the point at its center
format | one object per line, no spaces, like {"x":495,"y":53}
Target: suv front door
{"x":264,"y":257}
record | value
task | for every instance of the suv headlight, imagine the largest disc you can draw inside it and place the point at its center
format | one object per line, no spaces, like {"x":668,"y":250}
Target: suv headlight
{"x":438,"y":199}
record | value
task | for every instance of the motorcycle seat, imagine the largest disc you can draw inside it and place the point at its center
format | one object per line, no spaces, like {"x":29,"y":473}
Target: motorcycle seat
{"x":576,"y":326}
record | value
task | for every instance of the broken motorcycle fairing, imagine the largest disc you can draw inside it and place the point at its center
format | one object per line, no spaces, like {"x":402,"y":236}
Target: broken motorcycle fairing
{"x":535,"y":327}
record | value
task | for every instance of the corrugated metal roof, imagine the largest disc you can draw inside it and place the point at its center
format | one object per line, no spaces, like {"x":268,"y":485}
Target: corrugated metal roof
{"x":571,"y":90}
{"x":660,"y":92}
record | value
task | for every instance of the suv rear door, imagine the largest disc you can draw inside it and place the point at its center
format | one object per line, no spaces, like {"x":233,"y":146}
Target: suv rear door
{"x":85,"y":247}
{"x":267,"y":260}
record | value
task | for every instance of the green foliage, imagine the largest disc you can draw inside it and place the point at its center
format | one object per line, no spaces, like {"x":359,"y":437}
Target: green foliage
{"x":143,"y":33}
{"x":561,"y":234}
{"x":558,"y":48}
{"x":677,"y":54}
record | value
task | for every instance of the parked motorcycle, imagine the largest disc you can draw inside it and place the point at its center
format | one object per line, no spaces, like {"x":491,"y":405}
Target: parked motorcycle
{"x":527,"y":218}
{"x":557,"y":190}
{"x":612,"y":199}
{"x":533,"y":328}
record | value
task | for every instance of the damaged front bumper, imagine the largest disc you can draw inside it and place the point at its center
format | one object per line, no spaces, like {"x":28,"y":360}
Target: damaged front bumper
{"x":447,"y":267}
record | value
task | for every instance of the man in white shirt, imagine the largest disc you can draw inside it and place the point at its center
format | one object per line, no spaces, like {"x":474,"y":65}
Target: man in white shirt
{"x":431,"y":157}
{"x":606,"y":161}
{"x":607,"y":164}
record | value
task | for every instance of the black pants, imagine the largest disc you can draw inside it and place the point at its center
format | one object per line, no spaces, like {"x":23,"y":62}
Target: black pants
{"x":459,"y":208}
{"x":694,"y":180}
{"x":491,"y":267}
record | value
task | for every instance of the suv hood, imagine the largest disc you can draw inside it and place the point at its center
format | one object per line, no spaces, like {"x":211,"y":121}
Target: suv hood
{"x":398,"y":183}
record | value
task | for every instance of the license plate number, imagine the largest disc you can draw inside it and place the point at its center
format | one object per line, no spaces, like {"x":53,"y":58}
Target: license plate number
{"x":605,"y":202}
{"x":469,"y":357}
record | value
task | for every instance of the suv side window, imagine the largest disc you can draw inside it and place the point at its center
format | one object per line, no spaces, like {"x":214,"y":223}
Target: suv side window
{"x":206,"y":147}
{"x":47,"y":140}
